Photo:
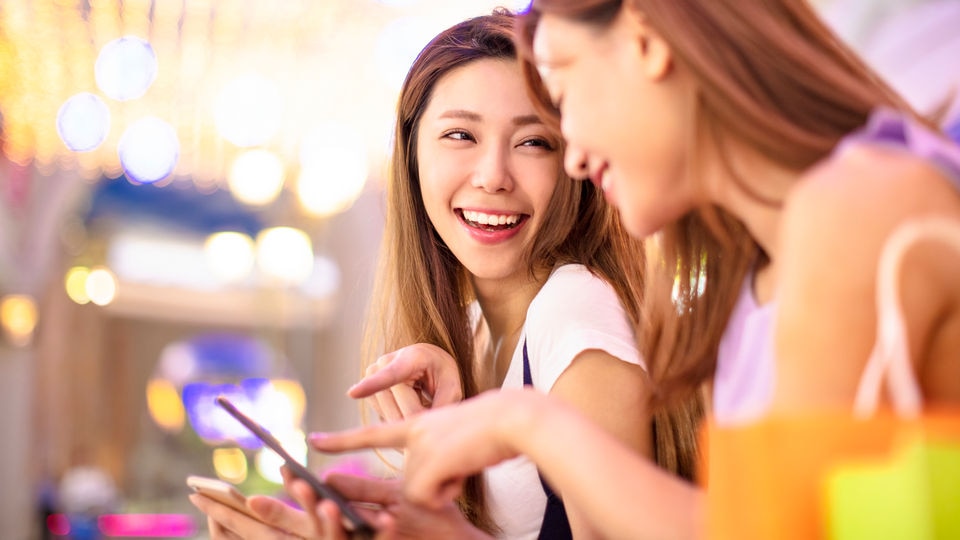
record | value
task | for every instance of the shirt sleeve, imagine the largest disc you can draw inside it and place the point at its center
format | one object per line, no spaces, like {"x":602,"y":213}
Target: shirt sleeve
{"x":575,"y":311}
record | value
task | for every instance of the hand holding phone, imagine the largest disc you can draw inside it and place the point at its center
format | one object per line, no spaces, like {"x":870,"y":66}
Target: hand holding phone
{"x":357,"y":527}
{"x":222,"y":492}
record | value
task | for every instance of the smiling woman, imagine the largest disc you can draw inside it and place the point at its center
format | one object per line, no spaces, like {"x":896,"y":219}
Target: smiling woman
{"x":488,"y":169}
{"x":497,"y":272}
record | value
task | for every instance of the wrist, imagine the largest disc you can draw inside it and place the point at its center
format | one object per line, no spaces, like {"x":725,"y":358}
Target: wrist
{"x":523,"y":415}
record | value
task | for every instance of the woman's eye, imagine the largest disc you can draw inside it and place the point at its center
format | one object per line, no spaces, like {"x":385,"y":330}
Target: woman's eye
{"x":538,"y":142}
{"x":458,"y":135}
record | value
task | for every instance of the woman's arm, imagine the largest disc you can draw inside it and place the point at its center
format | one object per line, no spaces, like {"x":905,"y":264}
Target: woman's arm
{"x":612,"y":395}
{"x":621,"y":494}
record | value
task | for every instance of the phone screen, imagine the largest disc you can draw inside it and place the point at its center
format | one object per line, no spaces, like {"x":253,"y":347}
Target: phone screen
{"x":356,"y":526}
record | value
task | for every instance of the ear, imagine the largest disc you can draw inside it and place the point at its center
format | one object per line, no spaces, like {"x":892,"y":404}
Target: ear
{"x":655,"y":54}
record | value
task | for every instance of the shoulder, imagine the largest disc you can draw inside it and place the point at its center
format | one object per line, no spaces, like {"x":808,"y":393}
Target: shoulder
{"x":572,"y":287}
{"x":863,"y":191}
{"x":575,"y":309}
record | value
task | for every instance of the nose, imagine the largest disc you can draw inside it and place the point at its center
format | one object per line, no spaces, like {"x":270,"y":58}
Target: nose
{"x":492,"y":173}
{"x":576,"y":162}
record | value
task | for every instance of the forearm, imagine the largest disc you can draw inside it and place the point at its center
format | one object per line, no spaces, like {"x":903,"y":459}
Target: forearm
{"x":622,"y":494}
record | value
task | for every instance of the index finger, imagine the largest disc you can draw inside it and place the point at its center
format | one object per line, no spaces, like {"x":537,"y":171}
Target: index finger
{"x":390,"y":435}
{"x":401,"y":368}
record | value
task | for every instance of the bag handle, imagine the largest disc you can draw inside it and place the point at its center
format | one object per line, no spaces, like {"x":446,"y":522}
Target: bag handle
{"x":890,"y":359}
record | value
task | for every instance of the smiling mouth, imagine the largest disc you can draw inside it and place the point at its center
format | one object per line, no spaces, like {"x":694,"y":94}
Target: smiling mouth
{"x":491,"y":222}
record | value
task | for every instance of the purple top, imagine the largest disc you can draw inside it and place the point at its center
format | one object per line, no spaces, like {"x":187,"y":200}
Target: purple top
{"x":744,"y":381}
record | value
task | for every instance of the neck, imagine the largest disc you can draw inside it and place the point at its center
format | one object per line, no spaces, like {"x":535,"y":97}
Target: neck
{"x":504,"y":306}
{"x":759,"y":206}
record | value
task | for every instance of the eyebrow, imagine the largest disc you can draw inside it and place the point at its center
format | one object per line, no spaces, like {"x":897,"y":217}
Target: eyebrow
{"x":524,"y":120}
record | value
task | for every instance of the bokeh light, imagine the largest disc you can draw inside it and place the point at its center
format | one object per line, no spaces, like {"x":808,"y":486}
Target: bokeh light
{"x":101,"y":286}
{"x":256,"y":177}
{"x":213,"y":424}
{"x":268,"y":462}
{"x":292,"y":392}
{"x":83,"y":122}
{"x":230,"y":464}
{"x":18,"y":316}
{"x":284,"y":254}
{"x":334,"y":169}
{"x":125,"y":68}
{"x":249,"y":110}
{"x":230,"y":255}
{"x":149,"y":150}
{"x":75,"y":283}
{"x":164,"y":405}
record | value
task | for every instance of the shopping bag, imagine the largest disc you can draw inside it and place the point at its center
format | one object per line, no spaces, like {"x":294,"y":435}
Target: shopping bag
{"x":868,"y":473}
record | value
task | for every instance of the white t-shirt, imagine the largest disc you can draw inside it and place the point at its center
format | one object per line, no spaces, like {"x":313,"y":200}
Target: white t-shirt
{"x":574,"y":311}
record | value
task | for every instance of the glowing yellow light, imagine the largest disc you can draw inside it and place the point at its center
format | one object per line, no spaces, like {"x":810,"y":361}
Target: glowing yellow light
{"x":164,"y":405}
{"x":293,"y":392}
{"x":256,"y":177}
{"x":230,"y":464}
{"x":334,"y":169}
{"x":285,"y":254}
{"x":76,"y":284}
{"x":18,"y":316}
{"x":268,"y":463}
{"x":101,"y":286}
{"x":229,"y":255}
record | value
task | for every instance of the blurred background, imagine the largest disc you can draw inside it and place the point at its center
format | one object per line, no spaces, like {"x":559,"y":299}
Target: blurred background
{"x":191,"y":204}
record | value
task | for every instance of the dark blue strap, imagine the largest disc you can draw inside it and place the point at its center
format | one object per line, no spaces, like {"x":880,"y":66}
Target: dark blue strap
{"x":555,"y":524}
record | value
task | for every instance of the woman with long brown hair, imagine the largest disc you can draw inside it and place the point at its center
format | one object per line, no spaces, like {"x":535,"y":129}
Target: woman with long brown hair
{"x":498,"y":269}
{"x":767,"y":165}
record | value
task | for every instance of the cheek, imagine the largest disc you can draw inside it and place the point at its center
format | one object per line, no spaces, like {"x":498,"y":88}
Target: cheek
{"x":540,"y":176}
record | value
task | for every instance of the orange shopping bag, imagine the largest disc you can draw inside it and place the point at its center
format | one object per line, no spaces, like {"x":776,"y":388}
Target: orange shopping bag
{"x":877,"y":474}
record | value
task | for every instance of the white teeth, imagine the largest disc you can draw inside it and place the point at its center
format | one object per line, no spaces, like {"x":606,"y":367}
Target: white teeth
{"x":490,"y":219}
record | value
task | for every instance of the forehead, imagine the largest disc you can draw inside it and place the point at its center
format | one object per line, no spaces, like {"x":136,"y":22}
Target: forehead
{"x":492,"y":84}
{"x":555,"y":38}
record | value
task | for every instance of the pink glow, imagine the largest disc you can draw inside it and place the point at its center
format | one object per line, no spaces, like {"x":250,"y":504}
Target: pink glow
{"x":147,"y":525}
{"x":58,"y":524}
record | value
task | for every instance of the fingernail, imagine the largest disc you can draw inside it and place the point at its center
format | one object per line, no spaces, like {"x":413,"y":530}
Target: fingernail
{"x":316,"y":436}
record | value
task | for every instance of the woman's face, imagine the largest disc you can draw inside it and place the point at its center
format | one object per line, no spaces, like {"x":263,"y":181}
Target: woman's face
{"x":623,"y":104}
{"x":488,"y":167}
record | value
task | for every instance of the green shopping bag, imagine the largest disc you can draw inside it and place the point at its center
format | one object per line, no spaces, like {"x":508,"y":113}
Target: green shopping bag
{"x":913,"y":495}
{"x":913,"y":491}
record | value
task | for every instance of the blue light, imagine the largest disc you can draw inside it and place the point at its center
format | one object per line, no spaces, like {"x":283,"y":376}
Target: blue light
{"x":125,"y":68}
{"x":83,"y":122}
{"x":212,"y":423}
{"x":149,"y":150}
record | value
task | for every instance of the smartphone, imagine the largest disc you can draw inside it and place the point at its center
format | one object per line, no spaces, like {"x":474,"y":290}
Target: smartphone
{"x":222,"y":492}
{"x":357,"y":527}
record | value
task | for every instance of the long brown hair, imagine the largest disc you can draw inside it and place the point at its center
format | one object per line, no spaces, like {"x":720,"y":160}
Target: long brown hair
{"x":769,"y":75}
{"x":421,"y":291}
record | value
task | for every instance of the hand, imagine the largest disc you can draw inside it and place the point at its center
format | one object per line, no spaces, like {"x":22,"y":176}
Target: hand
{"x":406,"y":520}
{"x":326,"y":520}
{"x":444,"y":446}
{"x":278,"y":520}
{"x":410,"y":380}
